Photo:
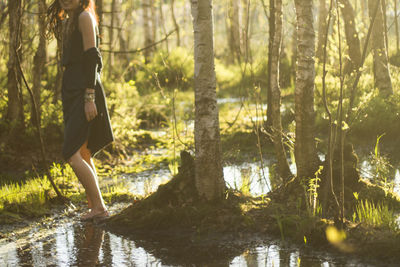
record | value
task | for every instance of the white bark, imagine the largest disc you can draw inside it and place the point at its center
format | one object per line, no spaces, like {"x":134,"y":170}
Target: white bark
{"x":305,"y":151}
{"x":208,"y":173}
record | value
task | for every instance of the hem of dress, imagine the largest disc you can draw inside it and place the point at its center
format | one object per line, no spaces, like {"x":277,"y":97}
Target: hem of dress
{"x":76,"y":149}
{"x":93,"y":154}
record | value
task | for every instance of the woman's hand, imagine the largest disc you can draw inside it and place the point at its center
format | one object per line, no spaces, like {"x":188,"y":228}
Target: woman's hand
{"x":90,"y":106}
{"x":90,"y":110}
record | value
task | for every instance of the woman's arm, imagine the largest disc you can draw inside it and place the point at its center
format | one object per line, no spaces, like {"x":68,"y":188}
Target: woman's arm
{"x":87,"y":26}
{"x":87,"y":29}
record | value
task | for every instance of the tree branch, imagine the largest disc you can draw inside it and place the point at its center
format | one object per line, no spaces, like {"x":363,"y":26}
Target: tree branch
{"x":140,"y":49}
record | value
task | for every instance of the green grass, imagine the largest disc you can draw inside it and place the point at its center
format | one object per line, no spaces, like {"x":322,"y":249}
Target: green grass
{"x":375,"y":215}
{"x":32,"y":192}
{"x":35,"y":197}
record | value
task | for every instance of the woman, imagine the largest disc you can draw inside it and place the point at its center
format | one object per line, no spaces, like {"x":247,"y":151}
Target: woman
{"x":86,"y":120}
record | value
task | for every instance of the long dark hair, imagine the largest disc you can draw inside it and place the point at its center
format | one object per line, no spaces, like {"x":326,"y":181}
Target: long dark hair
{"x":55,"y":16}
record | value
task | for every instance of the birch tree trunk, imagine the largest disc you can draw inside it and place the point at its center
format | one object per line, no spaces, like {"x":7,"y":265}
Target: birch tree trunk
{"x":178,"y":36}
{"x":353,"y":42}
{"x":153,"y":20}
{"x":271,"y":21}
{"x":111,"y":39}
{"x":162,"y":23}
{"x":381,"y":67}
{"x":3,"y":13}
{"x":293,"y":58}
{"x":283,"y":166}
{"x":305,"y":151}
{"x":99,"y":11}
{"x":234,"y":30}
{"x":396,"y":27}
{"x":364,"y":11}
{"x":58,"y":79}
{"x":245,"y":29}
{"x":39,"y":60}
{"x":385,"y":27}
{"x":146,"y":28}
{"x":122,"y":42}
{"x":323,"y":13}
{"x":15,"y":111}
{"x":208,"y":172}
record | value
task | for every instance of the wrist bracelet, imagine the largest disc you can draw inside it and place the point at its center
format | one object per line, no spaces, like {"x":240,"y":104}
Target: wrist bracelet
{"x":89,"y":97}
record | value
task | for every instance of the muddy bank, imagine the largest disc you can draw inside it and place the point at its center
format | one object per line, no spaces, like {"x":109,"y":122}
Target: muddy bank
{"x":174,"y":223}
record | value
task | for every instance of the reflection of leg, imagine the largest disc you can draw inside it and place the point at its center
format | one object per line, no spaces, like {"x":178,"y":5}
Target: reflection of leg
{"x":88,"y":254}
{"x":87,"y":177}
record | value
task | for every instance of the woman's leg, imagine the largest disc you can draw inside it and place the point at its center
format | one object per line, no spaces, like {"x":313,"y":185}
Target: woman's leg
{"x":87,"y":177}
{"x":86,"y":155}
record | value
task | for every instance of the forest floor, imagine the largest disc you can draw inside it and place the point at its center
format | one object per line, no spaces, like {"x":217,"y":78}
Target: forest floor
{"x":195,"y":232}
{"x":198,"y":230}
{"x":191,"y":230}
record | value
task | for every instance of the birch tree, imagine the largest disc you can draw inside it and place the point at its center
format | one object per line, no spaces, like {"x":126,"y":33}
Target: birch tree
{"x":208,"y":172}
{"x":177,"y":28}
{"x":15,"y":112}
{"x":39,"y":60}
{"x":305,"y":151}
{"x":396,"y":27}
{"x":353,"y":42}
{"x":234,"y":30}
{"x":146,"y":28}
{"x":153,"y":10}
{"x":245,"y":28}
{"x":271,"y":20}
{"x":99,"y":11}
{"x":111,"y":38}
{"x":283,"y":166}
{"x":323,"y":12}
{"x":381,"y":67}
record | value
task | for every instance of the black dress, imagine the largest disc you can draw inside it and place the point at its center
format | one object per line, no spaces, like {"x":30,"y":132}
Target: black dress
{"x":77,"y":129}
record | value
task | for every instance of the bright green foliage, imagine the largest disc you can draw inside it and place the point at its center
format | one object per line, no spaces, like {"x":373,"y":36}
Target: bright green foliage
{"x":246,"y":181}
{"x":378,"y":115}
{"x":310,"y":187}
{"x":376,"y":215}
{"x":27,"y":198}
{"x":167,"y":71}
{"x":34,"y":197}
{"x":381,"y":168}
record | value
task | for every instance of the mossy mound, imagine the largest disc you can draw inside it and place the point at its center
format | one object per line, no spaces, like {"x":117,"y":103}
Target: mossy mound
{"x":182,"y":229}
{"x":176,"y":205}
{"x":176,"y":225}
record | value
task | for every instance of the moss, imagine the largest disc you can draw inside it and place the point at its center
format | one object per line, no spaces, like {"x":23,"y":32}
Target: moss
{"x":377,"y":194}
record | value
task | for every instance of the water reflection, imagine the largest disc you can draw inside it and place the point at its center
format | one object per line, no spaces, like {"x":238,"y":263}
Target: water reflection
{"x":248,"y":177}
{"x":75,"y":244}
{"x":393,"y":174}
{"x":254,"y":178}
{"x":88,"y":245}
{"x":148,"y":181}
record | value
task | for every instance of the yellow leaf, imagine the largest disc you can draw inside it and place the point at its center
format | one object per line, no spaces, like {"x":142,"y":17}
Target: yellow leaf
{"x":335,"y":236}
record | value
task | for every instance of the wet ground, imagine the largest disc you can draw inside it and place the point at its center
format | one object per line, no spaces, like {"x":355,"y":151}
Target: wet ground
{"x":77,"y":244}
{"x":64,"y":241}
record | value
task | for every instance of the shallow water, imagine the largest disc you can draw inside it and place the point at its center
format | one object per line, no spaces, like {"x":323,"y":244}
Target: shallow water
{"x":67,"y":243}
{"x":76,"y":244}
{"x":252,"y":176}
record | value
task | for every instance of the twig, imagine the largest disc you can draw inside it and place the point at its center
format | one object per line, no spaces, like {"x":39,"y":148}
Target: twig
{"x":140,"y":49}
{"x":358,"y":74}
{"x":59,"y":194}
{"x":330,"y":136}
{"x":340,"y":113}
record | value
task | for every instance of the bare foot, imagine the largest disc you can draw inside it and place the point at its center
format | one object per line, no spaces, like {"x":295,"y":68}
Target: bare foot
{"x":95,"y":214}
{"x":89,"y":202}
